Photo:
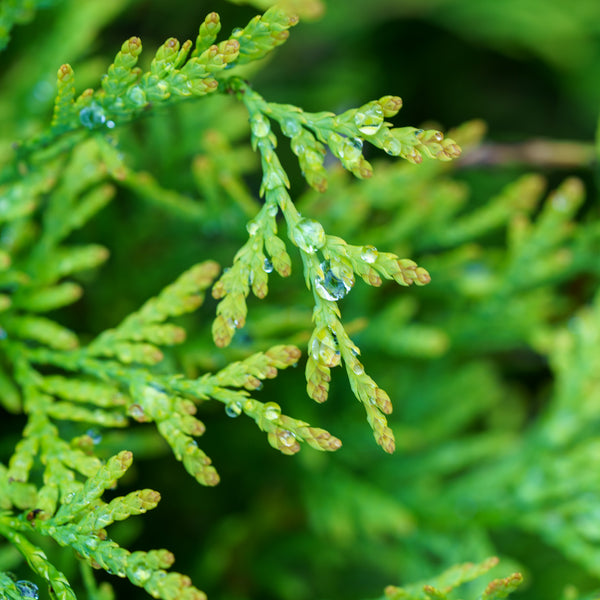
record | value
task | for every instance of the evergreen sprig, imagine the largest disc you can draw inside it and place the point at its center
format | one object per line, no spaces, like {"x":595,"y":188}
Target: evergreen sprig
{"x":442,"y":586}
{"x":331,"y":278}
{"x":53,"y":483}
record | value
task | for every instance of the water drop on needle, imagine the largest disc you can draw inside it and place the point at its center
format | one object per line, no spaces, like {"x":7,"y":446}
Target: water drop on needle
{"x":309,"y":235}
{"x":233,"y":409}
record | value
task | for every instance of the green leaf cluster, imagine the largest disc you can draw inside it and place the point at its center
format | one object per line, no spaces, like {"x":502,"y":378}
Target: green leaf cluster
{"x":122,"y":336}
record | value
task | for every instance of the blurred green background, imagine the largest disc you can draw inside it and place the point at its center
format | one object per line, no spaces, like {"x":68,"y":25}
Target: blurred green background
{"x":484,"y":365}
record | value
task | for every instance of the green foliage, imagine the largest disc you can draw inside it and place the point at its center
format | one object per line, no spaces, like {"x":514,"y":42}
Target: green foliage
{"x":117,"y":343}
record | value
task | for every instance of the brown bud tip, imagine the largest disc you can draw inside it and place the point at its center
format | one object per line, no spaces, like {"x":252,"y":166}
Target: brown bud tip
{"x":231,"y":47}
{"x":293,"y":352}
{"x":390,"y":105}
{"x":318,"y":182}
{"x":65,"y":73}
{"x":365,"y":170}
{"x":383,"y":401}
{"x":125,"y":458}
{"x":335,"y":443}
{"x":211,"y":477}
{"x":386,"y":440}
{"x":166,"y":559}
{"x":172,"y":43}
{"x":423,"y":277}
{"x":252,"y":383}
{"x":218,"y":290}
{"x":151,"y":496}
{"x":212,"y":17}
{"x":134,"y":45}
{"x":281,"y":36}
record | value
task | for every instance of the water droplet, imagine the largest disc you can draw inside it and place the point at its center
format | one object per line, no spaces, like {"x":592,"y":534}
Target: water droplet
{"x":137,"y":96}
{"x":324,"y":349}
{"x":260,"y":126}
{"x":137,"y":412}
{"x":233,"y":409}
{"x":369,"y":118}
{"x":272,"y":180}
{"x":290,"y":127}
{"x":369,"y":254}
{"x":392,"y":146}
{"x":252,"y":228}
{"x":298,"y":146}
{"x":68,"y":498}
{"x":267,"y":266}
{"x":91,"y":116}
{"x":141,"y":575}
{"x":357,"y":143}
{"x":349,"y":150}
{"x":94,"y":434}
{"x":110,"y":124}
{"x":27,"y":589}
{"x":92,"y":542}
{"x":308,"y":235}
{"x":358,"y":368}
{"x":272,"y":411}
{"x":3,"y":334}
{"x":237,"y":32}
{"x":287,"y":438}
{"x":162,"y":89}
{"x":329,"y":287}
{"x":272,"y":209}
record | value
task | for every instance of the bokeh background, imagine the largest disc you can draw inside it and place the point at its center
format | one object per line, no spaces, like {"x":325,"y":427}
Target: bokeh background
{"x":492,"y":368}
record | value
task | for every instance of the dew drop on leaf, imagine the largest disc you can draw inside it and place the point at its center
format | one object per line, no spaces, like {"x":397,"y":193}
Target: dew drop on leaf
{"x":252,"y":227}
{"x":233,"y":409}
{"x":272,"y":411}
{"x":137,"y":412}
{"x":94,"y":435}
{"x":357,"y":368}
{"x":260,"y":126}
{"x":287,"y":438}
{"x":369,"y":118}
{"x":392,"y":146}
{"x":329,"y":287}
{"x":369,"y":254}
{"x":27,"y":589}
{"x":308,"y":235}
{"x":290,"y":127}
{"x":141,"y":575}
{"x":91,"y":116}
{"x":267,"y":266}
{"x":137,"y":95}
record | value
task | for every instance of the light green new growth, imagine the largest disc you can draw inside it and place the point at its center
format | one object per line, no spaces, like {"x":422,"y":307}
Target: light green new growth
{"x":442,"y":586}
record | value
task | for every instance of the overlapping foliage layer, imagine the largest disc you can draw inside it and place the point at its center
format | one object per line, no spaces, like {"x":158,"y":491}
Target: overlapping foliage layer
{"x":174,"y":162}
